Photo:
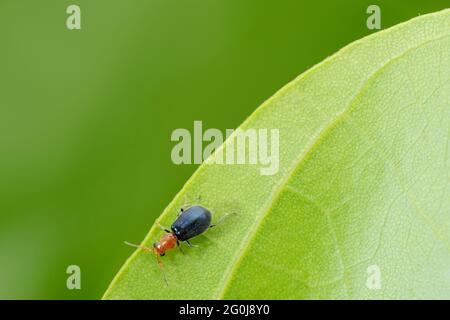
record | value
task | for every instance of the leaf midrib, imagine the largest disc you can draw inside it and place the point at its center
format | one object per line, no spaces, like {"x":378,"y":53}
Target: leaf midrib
{"x":297,"y":164}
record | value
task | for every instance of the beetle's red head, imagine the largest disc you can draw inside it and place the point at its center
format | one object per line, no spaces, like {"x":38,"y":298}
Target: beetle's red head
{"x":159,"y":249}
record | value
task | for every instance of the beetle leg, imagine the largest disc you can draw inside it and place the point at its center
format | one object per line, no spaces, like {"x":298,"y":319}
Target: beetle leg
{"x":191,"y":245}
{"x":181,"y":211}
{"x":161,"y":267}
{"x":163,"y":228}
{"x":179,"y":246}
{"x":187,"y":204}
{"x":221,"y":219}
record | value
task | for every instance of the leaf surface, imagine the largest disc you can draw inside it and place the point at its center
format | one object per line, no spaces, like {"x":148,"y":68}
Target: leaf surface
{"x":360,"y":205}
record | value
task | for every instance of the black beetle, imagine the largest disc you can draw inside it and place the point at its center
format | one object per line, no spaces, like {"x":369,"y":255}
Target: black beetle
{"x":190,"y":223}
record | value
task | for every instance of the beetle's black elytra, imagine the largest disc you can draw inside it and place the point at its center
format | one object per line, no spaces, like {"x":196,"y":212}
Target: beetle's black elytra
{"x":191,"y":222}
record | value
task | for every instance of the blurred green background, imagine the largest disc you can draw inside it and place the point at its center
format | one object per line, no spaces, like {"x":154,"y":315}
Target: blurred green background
{"x":86,"y":115}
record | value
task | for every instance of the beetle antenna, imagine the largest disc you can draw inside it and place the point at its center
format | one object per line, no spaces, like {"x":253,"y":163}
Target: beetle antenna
{"x":138,"y":246}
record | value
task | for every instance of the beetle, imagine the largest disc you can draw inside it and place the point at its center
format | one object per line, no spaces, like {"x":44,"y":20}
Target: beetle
{"x":190,"y":223}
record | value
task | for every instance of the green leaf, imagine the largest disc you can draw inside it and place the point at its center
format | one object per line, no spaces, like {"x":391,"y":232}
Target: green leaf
{"x":363,"y":186}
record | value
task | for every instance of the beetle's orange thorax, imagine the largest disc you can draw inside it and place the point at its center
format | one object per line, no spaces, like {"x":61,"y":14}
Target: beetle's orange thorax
{"x":166,"y":242}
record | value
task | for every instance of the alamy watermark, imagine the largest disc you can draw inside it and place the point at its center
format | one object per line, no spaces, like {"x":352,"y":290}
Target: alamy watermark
{"x":73,"y":281}
{"x":374,"y":20}
{"x":73,"y":21}
{"x":373,"y":281}
{"x":251,"y":146}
